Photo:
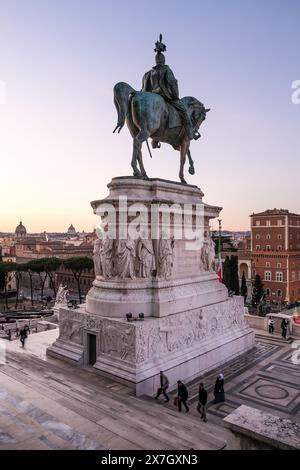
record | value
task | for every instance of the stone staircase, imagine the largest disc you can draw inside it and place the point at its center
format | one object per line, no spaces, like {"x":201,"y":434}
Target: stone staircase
{"x":117,"y":419}
{"x":274,"y":337}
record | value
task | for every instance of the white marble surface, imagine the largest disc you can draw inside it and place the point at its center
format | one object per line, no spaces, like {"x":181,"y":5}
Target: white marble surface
{"x":278,"y":432}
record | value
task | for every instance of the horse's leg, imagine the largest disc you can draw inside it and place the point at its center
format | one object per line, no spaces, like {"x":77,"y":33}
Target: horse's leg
{"x":135,"y":156}
{"x":191,"y":168}
{"x":183,"y":150}
{"x":141,"y":137}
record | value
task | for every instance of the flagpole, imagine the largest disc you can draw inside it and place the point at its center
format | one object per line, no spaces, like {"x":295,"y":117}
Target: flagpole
{"x":220,"y":270}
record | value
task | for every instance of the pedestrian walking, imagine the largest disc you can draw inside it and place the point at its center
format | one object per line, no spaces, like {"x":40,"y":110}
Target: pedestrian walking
{"x":182,"y":396}
{"x":202,"y":402}
{"x":284,"y":326}
{"x":164,"y":384}
{"x":219,"y":392}
{"x":23,"y":336}
{"x":271,"y":325}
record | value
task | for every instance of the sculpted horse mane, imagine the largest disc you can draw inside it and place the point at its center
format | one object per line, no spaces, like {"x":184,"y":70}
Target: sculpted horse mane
{"x":147,"y":115}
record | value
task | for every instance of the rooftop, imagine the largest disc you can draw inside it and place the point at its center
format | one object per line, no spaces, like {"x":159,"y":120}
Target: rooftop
{"x":274,"y":211}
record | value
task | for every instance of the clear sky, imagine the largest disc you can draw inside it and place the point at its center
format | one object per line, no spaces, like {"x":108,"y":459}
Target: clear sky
{"x":60,"y":60}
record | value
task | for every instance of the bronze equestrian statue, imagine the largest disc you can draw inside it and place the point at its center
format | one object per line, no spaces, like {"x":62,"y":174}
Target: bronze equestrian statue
{"x":149,"y":113}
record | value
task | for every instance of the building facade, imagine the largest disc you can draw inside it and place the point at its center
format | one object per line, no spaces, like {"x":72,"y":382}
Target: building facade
{"x":275,"y":253}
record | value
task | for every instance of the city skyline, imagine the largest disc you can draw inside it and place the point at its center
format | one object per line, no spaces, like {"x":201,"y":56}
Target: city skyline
{"x":56,"y":144}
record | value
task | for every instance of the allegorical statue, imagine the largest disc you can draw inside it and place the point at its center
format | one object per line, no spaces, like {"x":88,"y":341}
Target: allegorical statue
{"x":107,"y":257}
{"x":208,"y":253}
{"x":61,"y":296}
{"x":125,"y":258}
{"x":146,"y":257}
{"x":165,"y":257}
{"x":158,"y":113}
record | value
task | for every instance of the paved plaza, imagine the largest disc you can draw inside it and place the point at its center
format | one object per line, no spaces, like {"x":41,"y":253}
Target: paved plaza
{"x":49,"y":404}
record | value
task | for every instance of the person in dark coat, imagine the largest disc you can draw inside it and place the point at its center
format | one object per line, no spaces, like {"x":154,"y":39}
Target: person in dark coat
{"x":284,"y":326}
{"x":202,"y":401}
{"x":183,"y":395}
{"x":164,"y":384}
{"x":219,"y":392}
{"x":23,"y":336}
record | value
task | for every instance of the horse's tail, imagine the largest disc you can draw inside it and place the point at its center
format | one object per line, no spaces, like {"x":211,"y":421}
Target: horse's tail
{"x":122,"y":96}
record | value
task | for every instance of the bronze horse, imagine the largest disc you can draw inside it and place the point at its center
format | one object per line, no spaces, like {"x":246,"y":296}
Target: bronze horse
{"x":147,"y":115}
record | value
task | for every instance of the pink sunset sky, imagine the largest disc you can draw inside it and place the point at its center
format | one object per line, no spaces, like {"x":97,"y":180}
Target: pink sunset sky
{"x":60,"y":61}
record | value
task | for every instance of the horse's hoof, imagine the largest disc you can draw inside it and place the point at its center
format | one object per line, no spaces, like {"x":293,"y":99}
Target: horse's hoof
{"x":191,"y":170}
{"x":183,"y":181}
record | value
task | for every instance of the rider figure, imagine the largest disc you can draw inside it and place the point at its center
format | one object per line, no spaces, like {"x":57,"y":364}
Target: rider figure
{"x":161,"y":80}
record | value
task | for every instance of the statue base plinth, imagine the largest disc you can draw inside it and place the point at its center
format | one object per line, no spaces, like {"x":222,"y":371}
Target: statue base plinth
{"x":184,"y":345}
{"x":190,"y":325}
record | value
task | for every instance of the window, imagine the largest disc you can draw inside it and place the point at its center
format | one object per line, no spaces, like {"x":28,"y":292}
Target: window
{"x":279,"y":222}
{"x":268,"y":223}
{"x":279,"y":292}
{"x":257,"y":223}
{"x":267,"y":275}
{"x":293,"y":275}
{"x":268,"y":247}
{"x":268,"y":236}
{"x":253,"y":264}
{"x":291,"y":246}
{"x":279,"y":236}
{"x":279,"y":276}
{"x":257,"y":237}
{"x":267,"y":264}
{"x":254,"y":272}
{"x":267,"y":291}
{"x":258,"y":247}
{"x":278,"y":265}
{"x":279,"y":247}
{"x":299,"y":275}
{"x":291,"y":236}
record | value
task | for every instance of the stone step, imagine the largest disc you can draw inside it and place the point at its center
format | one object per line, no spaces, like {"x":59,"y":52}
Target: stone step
{"x":273,"y":338}
{"x":143,"y":425}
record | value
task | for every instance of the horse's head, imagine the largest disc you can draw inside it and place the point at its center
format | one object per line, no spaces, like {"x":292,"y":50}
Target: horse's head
{"x":196,"y":110}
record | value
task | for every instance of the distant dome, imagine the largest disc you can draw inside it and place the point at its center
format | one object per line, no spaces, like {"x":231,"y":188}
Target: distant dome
{"x":20,"y":230}
{"x":71,"y":230}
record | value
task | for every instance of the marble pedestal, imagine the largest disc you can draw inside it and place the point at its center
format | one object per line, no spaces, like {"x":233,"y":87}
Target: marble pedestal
{"x":190,"y":324}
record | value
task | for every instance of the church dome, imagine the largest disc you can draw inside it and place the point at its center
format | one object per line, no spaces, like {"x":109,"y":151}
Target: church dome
{"x":71,"y":230}
{"x":20,"y":230}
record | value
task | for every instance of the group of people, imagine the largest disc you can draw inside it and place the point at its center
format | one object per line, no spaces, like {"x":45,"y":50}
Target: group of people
{"x":183,"y":394}
{"x":284,"y":326}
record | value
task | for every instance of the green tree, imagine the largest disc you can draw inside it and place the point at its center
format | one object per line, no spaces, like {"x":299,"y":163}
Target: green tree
{"x":37,"y":266}
{"x":78,"y":265}
{"x":19,"y":270}
{"x":51,"y":265}
{"x":29,"y":271}
{"x":227,"y":273}
{"x":258,"y":291}
{"x":234,"y":275}
{"x":7,"y":268}
{"x":244,"y":289}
